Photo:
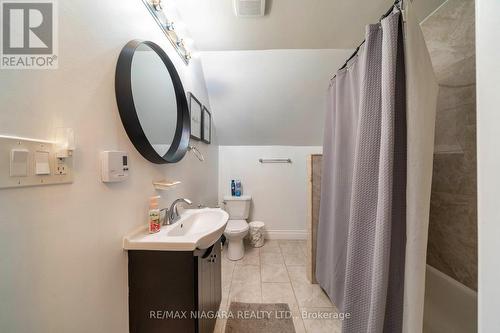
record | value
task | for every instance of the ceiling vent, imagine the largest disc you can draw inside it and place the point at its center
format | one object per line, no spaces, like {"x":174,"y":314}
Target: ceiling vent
{"x":249,"y":8}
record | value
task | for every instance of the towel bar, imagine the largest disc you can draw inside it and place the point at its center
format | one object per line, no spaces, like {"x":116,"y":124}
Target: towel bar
{"x":275,"y":160}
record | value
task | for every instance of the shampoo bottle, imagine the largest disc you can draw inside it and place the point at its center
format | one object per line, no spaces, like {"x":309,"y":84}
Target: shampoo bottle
{"x":154,"y":215}
{"x":233,"y":188}
{"x":238,"y":188}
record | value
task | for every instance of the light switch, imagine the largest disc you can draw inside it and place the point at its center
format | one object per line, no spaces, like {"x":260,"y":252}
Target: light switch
{"x":19,"y":162}
{"x":42,"y":163}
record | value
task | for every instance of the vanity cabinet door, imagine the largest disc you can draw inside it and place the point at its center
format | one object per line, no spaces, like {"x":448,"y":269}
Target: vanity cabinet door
{"x":209,"y":288}
{"x":159,"y":282}
{"x":217,"y":277}
{"x":204,"y":292}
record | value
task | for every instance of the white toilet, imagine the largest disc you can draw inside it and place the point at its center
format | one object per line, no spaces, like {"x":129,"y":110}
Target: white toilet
{"x":238,"y":209}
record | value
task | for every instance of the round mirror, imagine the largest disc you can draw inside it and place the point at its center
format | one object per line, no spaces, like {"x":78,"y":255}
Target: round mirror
{"x":152,"y":102}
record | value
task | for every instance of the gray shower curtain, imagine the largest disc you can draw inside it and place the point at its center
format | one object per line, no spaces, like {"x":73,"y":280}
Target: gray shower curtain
{"x":362,"y":226}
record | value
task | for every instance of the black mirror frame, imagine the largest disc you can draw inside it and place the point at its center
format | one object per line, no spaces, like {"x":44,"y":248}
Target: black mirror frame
{"x":128,"y":113}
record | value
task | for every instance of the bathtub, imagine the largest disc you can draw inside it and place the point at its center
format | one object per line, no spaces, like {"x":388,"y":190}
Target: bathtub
{"x":449,"y":307}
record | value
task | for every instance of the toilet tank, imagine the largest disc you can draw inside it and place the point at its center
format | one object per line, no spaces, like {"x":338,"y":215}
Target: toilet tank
{"x":238,"y":208}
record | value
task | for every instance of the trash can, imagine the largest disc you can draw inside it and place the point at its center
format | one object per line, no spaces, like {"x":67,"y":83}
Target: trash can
{"x":257,"y":233}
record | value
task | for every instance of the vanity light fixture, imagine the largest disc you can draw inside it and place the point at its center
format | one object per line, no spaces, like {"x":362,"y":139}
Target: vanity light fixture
{"x":156,"y":4}
{"x":170,"y":26}
{"x":188,"y":42}
{"x":165,"y":22}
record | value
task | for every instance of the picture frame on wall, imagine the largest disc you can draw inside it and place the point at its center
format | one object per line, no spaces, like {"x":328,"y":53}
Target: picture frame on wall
{"x":196,"y":113}
{"x":206,"y":122}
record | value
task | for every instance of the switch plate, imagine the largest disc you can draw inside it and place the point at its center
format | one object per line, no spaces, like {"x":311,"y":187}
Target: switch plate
{"x":19,"y":162}
{"x":42,"y":166}
{"x":8,"y":144}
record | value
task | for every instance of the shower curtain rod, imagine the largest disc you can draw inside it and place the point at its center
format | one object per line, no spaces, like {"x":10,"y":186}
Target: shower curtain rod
{"x":397,"y":5}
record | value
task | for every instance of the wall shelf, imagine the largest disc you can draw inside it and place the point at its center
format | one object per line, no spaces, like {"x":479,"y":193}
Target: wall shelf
{"x":163,"y":185}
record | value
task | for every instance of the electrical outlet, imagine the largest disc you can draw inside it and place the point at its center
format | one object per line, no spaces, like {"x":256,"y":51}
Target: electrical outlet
{"x":61,"y":170}
{"x":61,"y":167}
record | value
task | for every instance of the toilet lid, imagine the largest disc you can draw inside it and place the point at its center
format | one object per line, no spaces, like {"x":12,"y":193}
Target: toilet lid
{"x":236,"y":225}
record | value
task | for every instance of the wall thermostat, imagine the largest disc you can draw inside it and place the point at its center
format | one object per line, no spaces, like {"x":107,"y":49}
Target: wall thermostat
{"x":114,"y":166}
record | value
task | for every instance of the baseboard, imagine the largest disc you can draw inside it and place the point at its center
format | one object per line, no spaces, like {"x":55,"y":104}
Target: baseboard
{"x":286,"y":234}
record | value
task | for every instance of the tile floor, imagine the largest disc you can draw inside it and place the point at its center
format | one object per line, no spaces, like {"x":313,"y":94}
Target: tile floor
{"x":276,"y":273}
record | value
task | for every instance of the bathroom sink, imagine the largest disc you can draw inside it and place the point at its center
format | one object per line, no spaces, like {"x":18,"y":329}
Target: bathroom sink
{"x":196,"y":229}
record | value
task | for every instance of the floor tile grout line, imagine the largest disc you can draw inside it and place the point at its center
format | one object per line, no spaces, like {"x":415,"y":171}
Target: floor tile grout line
{"x":298,"y":320}
{"x":228,"y":303}
{"x":293,"y":290}
{"x":230,"y":287}
{"x":260,"y":273}
{"x":235,"y":265}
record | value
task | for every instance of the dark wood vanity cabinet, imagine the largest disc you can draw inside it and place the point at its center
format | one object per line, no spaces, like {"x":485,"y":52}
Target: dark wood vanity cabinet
{"x":171,"y":291}
{"x":209,"y":288}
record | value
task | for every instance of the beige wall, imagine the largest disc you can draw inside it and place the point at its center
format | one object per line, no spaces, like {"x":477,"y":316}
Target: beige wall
{"x":278,"y":190}
{"x":452,"y":247}
{"x":62,"y":268}
{"x":488,"y":142}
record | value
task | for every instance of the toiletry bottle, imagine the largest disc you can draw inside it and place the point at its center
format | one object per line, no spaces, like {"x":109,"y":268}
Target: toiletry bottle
{"x":154,"y":215}
{"x":238,"y":188}
{"x":233,"y":188}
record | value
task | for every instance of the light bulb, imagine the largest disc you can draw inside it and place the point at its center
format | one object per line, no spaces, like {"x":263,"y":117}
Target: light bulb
{"x":170,"y":26}
{"x":189,"y":42}
{"x":156,"y":4}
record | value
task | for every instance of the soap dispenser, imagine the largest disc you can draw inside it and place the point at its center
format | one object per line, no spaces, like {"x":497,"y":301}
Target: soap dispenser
{"x":154,"y":215}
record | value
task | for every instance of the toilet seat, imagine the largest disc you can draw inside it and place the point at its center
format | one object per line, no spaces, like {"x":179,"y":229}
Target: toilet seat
{"x":236,"y":226}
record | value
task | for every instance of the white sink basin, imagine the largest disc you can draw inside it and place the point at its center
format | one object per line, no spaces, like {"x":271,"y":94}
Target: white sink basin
{"x":196,"y":229}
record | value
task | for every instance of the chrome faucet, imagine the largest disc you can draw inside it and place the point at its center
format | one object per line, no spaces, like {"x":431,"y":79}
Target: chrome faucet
{"x":172,"y":214}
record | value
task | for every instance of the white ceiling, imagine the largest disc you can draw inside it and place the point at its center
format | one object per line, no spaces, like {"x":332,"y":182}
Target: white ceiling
{"x":288,"y":24}
{"x":275,"y":97}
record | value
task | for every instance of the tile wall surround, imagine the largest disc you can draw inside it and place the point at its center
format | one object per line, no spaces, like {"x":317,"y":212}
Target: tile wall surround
{"x":452,"y":247}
